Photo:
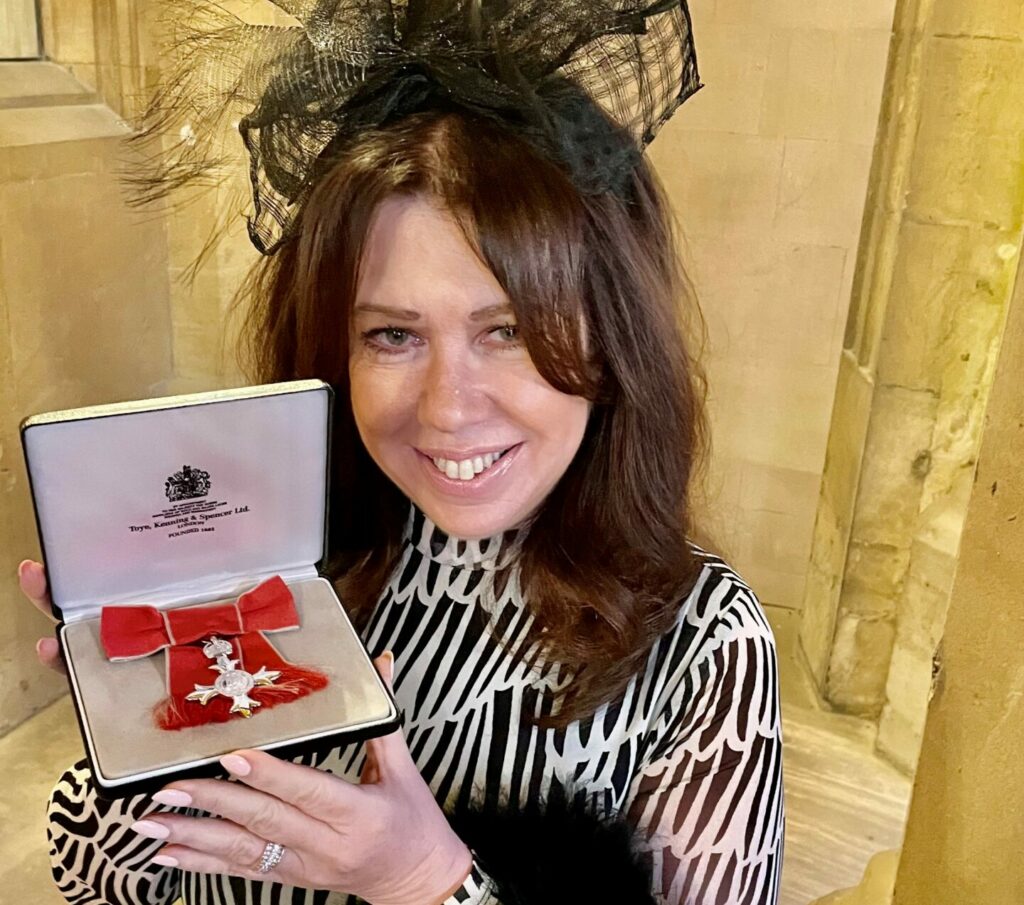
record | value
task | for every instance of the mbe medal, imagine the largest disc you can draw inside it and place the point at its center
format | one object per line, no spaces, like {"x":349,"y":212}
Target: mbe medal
{"x":231,"y":683}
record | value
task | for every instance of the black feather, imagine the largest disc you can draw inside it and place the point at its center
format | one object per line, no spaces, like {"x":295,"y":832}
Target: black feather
{"x":558,"y":851}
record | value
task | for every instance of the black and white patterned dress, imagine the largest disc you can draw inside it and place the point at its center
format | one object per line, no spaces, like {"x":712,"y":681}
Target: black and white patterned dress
{"x":691,"y":755}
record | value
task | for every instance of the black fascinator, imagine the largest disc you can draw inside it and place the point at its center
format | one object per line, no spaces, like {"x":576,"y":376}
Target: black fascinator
{"x":587,"y":82}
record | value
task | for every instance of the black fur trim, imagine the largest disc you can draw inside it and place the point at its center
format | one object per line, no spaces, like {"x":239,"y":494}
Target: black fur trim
{"x":556,"y":852}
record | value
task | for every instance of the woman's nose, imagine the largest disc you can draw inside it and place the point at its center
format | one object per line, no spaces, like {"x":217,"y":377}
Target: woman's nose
{"x":452,"y":395}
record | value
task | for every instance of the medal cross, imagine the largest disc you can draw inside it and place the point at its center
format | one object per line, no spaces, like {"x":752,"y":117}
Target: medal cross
{"x":231,"y":683}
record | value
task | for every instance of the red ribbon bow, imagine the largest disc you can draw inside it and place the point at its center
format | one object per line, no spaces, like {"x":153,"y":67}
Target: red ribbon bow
{"x":131,"y":632}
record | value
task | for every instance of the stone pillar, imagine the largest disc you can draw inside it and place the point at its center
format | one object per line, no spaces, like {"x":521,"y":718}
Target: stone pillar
{"x":939,"y":248}
{"x":965,"y":832}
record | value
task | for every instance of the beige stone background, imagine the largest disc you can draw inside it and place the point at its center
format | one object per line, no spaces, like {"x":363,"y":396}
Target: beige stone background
{"x":19,"y":33}
{"x":767,"y":167}
{"x":850,"y":185}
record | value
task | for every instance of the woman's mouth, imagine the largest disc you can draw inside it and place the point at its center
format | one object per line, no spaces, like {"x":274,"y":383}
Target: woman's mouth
{"x":468,"y":469}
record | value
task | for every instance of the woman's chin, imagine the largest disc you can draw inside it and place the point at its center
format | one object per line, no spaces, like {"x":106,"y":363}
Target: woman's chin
{"x":471,"y":521}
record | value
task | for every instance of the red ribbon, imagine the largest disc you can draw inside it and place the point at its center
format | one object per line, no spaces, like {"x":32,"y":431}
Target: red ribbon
{"x":131,"y":632}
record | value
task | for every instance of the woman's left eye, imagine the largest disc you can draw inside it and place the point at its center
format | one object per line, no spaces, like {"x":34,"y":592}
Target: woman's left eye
{"x":508,"y":334}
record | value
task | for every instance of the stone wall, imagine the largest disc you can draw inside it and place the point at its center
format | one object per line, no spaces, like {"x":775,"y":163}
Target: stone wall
{"x":84,"y":314}
{"x":767,"y":167}
{"x":95,"y":300}
{"x":116,"y":48}
{"x":19,"y":34}
{"x":940,"y":247}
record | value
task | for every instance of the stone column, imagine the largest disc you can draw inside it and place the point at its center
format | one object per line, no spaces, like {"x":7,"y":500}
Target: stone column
{"x":965,"y":831}
{"x":939,"y":248}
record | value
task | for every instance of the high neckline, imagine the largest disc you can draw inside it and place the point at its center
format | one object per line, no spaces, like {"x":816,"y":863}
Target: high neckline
{"x":488,"y":553}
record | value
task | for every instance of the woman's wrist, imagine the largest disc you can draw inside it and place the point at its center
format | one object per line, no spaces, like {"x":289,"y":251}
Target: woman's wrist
{"x":461,"y":866}
{"x":442,"y":876}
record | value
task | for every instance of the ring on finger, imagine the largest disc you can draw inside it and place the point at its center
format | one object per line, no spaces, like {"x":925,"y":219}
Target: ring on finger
{"x":273,"y":852}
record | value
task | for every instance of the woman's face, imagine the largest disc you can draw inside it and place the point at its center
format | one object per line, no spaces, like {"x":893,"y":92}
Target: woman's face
{"x":445,"y":396}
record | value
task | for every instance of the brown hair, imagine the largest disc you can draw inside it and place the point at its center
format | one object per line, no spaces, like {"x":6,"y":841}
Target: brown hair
{"x":606,"y":561}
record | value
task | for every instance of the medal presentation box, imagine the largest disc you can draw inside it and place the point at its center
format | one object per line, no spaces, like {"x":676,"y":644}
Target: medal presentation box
{"x":191,"y":502}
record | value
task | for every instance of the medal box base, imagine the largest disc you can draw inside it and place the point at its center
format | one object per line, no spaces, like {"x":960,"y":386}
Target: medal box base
{"x":129,"y":754}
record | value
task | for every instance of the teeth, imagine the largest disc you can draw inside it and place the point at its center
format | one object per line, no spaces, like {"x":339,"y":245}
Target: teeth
{"x":467,"y":469}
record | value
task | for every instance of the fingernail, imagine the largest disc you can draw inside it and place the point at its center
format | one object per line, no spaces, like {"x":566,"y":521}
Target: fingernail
{"x":165,"y":861}
{"x":239,"y":766}
{"x":151,"y":828}
{"x":173,"y":797}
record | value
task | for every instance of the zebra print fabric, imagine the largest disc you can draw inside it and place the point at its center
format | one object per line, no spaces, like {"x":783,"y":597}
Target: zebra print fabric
{"x":691,"y":755}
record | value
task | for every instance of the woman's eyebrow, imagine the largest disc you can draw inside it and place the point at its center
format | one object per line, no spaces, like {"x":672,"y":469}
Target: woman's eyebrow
{"x":405,"y":314}
{"x":408,"y":314}
{"x":481,"y":314}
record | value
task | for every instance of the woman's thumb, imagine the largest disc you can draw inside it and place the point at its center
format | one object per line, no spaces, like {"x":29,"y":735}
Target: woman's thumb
{"x":385,"y":665}
{"x":387,"y":753}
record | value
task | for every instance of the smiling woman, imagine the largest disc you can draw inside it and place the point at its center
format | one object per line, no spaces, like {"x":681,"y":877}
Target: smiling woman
{"x":487,"y":275}
{"x":591,"y":699}
{"x":445,"y":396}
{"x":415,"y":252}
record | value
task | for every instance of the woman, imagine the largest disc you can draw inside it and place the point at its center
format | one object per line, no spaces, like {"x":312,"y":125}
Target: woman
{"x":591,"y":699}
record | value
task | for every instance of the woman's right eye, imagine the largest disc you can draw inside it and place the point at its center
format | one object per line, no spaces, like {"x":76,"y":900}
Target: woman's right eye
{"x":387,"y":339}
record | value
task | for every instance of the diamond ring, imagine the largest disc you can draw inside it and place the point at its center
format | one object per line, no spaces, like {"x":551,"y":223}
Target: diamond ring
{"x":273,"y":852}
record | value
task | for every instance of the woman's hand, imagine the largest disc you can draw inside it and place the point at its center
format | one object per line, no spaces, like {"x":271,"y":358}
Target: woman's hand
{"x":385,"y":840}
{"x":32,"y":579}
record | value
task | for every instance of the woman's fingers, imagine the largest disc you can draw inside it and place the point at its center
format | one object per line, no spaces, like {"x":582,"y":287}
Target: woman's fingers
{"x":32,"y":578}
{"x":370,"y":773}
{"x":222,"y":839}
{"x":288,"y":871}
{"x":48,"y":652}
{"x":385,"y":665}
{"x":262,"y":814}
{"x":320,"y":794}
{"x":388,"y":754}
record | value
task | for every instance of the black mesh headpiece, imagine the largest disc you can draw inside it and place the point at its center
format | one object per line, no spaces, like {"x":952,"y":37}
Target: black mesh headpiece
{"x":587,"y":82}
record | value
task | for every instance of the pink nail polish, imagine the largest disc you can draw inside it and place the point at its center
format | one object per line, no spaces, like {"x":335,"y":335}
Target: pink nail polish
{"x":165,"y":861}
{"x":236,"y":765}
{"x":151,"y":829}
{"x":175,"y":798}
